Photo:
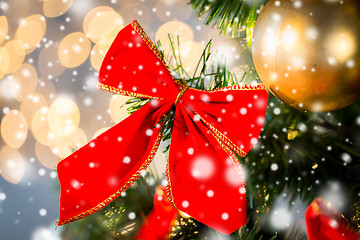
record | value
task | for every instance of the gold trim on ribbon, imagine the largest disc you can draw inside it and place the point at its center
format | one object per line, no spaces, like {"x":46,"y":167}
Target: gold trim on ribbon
{"x":123,"y":92}
{"x":110,"y":199}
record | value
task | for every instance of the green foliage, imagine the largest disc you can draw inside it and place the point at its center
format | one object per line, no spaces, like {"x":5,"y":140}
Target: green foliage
{"x":229,"y":16}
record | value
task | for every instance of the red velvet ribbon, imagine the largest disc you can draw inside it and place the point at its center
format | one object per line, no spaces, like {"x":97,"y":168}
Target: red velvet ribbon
{"x":325,"y":223}
{"x":158,"y":223}
{"x":205,"y":179}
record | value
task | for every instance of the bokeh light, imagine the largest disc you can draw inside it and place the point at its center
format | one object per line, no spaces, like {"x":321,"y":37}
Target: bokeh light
{"x":4,"y":61}
{"x":98,"y":53}
{"x":33,"y":103}
{"x":55,"y":8}
{"x":174,"y":28}
{"x":66,"y":145}
{"x":30,"y":31}
{"x":23,"y":82}
{"x":41,"y":129}
{"x":118,"y":110}
{"x":4,"y":27}
{"x":16,"y":54}
{"x":48,"y":63}
{"x":63,"y":117}
{"x":102,"y":23}
{"x":45,"y":156}
{"x":74,"y":49}
{"x":12,"y":165}
{"x":14,"y":128}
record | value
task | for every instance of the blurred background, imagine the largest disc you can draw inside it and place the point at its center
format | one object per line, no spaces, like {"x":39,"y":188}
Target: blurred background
{"x":50,"y":54}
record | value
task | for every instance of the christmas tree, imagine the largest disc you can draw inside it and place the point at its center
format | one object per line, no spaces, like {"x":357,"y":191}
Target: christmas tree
{"x":300,"y":155}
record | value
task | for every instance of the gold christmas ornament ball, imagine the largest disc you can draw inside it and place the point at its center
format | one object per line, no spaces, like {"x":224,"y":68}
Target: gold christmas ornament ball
{"x":307,"y":52}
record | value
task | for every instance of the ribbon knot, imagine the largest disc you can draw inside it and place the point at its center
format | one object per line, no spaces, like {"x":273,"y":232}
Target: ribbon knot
{"x":182,"y":91}
{"x":209,"y":128}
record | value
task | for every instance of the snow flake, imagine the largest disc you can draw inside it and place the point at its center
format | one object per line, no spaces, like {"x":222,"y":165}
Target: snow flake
{"x":134,"y":88}
{"x":223,"y":110}
{"x":126,"y":160}
{"x":2,"y":196}
{"x":274,"y":167}
{"x":92,"y":144}
{"x":91,"y":165}
{"x":75,"y":184}
{"x":196,"y":118}
{"x":205,"y":98}
{"x":202,"y":168}
{"x":42,"y":212}
{"x":149,"y":132}
{"x":229,"y":98}
{"x":119,"y":139}
{"x":190,"y":151}
{"x":233,"y":177}
{"x":255,"y":96}
{"x":123,"y":194}
{"x":225,"y":216}
{"x":277,"y":111}
{"x":253,"y":141}
{"x":185,"y":204}
{"x":130,"y":45}
{"x":41,"y":172}
{"x":140,"y":67}
{"x":346,"y":157}
{"x":154,"y":90}
{"x":243,"y":111}
{"x":132,"y":215}
{"x":210,"y":193}
{"x":242,"y":190}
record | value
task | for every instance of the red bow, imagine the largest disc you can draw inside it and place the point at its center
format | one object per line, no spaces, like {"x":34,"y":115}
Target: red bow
{"x":205,"y":179}
{"x":325,"y":223}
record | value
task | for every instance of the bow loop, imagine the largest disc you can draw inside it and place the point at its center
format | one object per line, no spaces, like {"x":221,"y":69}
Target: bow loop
{"x":133,"y":66}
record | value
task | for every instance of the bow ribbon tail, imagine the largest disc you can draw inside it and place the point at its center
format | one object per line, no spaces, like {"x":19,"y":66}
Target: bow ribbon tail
{"x":199,"y":165}
{"x":96,"y":174}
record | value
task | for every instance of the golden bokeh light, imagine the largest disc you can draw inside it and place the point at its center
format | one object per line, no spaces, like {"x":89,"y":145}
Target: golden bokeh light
{"x":12,"y":166}
{"x":45,"y":156}
{"x":41,"y":129}
{"x":174,"y":28}
{"x":16,"y":55}
{"x":98,"y":53}
{"x":102,"y":23}
{"x":64,"y":146}
{"x":14,"y":128}
{"x":33,"y":103}
{"x":190,"y":53}
{"x":48,"y":63}
{"x":118,"y":110}
{"x":4,"y":28}
{"x":4,"y":61}
{"x":30,"y":31}
{"x":74,"y":49}
{"x":23,"y":82}
{"x":63,"y":117}
{"x":46,"y":88}
{"x":55,"y":8}
{"x":100,"y":131}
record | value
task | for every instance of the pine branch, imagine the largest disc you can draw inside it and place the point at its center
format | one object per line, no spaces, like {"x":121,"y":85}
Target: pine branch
{"x":229,"y":16}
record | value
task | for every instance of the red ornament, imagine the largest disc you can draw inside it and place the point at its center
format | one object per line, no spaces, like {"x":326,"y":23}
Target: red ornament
{"x":325,"y":223}
{"x":159,"y":221}
{"x":205,"y":178}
